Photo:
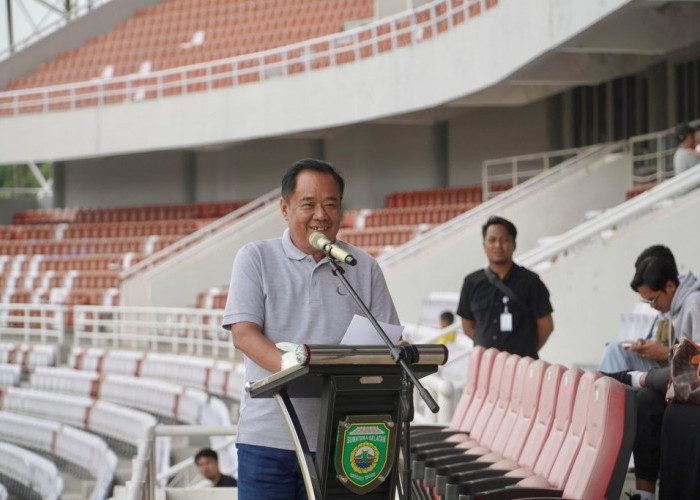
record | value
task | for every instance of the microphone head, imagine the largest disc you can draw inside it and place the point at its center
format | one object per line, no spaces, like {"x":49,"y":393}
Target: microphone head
{"x":317,"y":240}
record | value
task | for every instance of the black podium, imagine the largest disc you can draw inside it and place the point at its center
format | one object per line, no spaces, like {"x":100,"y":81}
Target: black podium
{"x":358,"y":442}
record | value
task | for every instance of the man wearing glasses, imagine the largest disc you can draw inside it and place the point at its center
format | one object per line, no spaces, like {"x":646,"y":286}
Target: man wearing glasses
{"x":657,"y":282}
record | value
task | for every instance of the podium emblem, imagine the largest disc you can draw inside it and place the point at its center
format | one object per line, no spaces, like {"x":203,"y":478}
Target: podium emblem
{"x":364,"y":452}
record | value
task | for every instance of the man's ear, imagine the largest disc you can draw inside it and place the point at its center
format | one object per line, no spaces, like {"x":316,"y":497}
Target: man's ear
{"x":670,"y":287}
{"x":284,"y":207}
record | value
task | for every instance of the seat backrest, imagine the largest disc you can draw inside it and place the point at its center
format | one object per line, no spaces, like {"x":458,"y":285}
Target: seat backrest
{"x":605,"y":427}
{"x":486,"y":367}
{"x":576,"y":433}
{"x":520,"y":418}
{"x":544,"y":418}
{"x":469,"y":390}
{"x":562,"y":419}
{"x":505,"y":392}
{"x":491,"y":396}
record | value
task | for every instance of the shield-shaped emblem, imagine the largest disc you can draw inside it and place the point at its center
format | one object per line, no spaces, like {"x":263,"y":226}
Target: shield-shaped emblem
{"x":364,"y":451}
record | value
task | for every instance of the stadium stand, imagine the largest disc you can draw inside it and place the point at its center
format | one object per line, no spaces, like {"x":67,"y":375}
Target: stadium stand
{"x":179,"y":33}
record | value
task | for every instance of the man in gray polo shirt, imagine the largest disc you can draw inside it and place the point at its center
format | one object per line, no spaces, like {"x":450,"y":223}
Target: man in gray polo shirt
{"x":283,"y":290}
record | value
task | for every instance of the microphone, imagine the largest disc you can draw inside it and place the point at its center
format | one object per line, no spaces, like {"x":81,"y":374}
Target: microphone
{"x":320,"y":242}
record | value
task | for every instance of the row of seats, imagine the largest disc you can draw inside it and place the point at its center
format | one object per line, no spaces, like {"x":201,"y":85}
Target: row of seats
{"x":28,"y":356}
{"x":222,"y":378}
{"x":206,"y":210}
{"x":60,"y":279}
{"x":185,"y":404}
{"x":84,"y":246}
{"x":102,"y":417}
{"x":525,"y":428}
{"x":35,"y":473}
{"x":381,"y":236}
{"x":78,"y":447}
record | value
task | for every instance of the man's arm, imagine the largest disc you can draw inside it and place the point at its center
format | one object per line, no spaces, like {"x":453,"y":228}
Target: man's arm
{"x":248,"y":338}
{"x":545,"y":326}
{"x":468,"y":327}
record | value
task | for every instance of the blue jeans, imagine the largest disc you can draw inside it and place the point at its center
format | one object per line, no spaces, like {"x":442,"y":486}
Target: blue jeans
{"x":617,"y":359}
{"x":269,"y":474}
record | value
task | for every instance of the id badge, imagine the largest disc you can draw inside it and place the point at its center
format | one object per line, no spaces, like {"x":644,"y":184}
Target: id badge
{"x":506,"y":322}
{"x":506,"y":317}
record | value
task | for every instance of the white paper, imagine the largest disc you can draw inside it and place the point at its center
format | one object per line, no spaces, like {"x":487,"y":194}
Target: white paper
{"x":361,"y":332}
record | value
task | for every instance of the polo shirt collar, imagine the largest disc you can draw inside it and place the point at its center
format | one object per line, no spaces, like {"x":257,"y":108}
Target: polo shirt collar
{"x":290,"y":250}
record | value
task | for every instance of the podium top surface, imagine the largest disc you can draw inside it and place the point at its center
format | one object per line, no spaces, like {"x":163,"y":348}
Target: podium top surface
{"x":342,"y":360}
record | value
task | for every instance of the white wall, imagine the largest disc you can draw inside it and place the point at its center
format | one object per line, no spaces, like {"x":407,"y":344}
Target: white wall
{"x":590,"y":288}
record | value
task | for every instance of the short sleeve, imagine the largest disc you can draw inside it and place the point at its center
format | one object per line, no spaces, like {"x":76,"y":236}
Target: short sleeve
{"x":464,"y":308}
{"x":246,"y":297}
{"x":539,"y":298}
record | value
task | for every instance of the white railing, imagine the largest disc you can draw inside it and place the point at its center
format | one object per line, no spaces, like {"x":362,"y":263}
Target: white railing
{"x":404,"y":29}
{"x":32,"y":323}
{"x":48,"y":28}
{"x":192,"y":331}
{"x":514,"y":170}
{"x":206,"y":232}
{"x":624,"y":213}
{"x":652,"y":155}
{"x":480,"y":212}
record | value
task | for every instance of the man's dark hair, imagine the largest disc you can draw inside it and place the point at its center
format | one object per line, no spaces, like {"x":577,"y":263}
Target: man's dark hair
{"x":654,"y":273}
{"x":494,"y":219}
{"x":289,"y":180}
{"x":682,"y":131}
{"x":448,"y":317}
{"x":659,"y":251}
{"x":206,"y":452}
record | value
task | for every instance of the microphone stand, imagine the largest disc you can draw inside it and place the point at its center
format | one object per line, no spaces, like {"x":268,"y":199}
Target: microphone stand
{"x":402,"y":355}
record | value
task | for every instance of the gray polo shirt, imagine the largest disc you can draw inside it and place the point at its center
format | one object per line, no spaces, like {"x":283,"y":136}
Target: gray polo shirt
{"x":294,"y":299}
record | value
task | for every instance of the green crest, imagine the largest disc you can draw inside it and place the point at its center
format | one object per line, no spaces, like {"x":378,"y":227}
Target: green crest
{"x":364,"y":452}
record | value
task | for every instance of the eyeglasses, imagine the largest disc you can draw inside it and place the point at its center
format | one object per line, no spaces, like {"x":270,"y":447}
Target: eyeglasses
{"x":650,"y":301}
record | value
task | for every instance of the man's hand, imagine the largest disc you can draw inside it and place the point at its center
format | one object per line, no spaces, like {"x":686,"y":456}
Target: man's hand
{"x":469,"y":328}
{"x":650,"y":349}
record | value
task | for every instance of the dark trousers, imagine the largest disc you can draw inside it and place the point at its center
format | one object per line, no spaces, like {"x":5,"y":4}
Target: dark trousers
{"x":651,"y":405}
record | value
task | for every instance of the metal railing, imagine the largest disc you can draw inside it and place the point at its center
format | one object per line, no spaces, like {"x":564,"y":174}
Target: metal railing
{"x":652,"y":155}
{"x":405,"y":29}
{"x":624,"y":213}
{"x":513,"y":170}
{"x":32,"y":323}
{"x":192,"y":331}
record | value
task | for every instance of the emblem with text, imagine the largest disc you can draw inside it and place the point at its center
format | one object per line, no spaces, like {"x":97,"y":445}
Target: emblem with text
{"x":364,"y":452}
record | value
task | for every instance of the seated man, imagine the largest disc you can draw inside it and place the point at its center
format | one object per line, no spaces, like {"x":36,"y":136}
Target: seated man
{"x":207,"y":461}
{"x":646,"y":353}
{"x":657,"y":282}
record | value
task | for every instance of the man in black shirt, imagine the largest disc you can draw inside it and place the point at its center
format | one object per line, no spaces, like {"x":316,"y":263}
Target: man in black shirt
{"x":207,"y":462}
{"x":505,"y":305}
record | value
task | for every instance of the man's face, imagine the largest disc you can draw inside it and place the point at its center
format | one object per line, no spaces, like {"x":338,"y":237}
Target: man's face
{"x":658,"y":299}
{"x":498,"y":245}
{"x":208,"y":467}
{"x":315,"y":206}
